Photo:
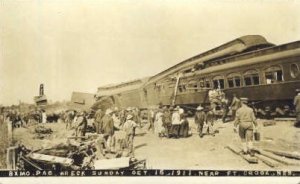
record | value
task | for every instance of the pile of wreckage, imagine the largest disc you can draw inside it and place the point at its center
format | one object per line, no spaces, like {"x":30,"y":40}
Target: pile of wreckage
{"x":42,"y":132}
{"x":78,"y":153}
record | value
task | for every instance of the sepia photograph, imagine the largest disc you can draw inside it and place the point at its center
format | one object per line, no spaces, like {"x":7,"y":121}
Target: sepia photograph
{"x":149,"y":88}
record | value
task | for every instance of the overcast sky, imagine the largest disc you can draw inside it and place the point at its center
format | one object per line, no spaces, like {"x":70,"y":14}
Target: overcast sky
{"x":81,"y":45}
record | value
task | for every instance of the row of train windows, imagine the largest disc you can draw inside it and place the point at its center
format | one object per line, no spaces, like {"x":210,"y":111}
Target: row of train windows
{"x":250,"y":78}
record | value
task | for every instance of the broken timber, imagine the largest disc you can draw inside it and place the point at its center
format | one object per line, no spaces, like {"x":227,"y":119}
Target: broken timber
{"x":269,"y":123}
{"x":278,"y":158}
{"x":238,"y":151}
{"x":285,"y":119}
{"x":295,"y":155}
{"x":270,"y":162}
{"x":53,"y":159}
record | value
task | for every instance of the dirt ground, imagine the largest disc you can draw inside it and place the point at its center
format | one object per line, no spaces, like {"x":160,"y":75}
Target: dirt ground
{"x":186,"y":153}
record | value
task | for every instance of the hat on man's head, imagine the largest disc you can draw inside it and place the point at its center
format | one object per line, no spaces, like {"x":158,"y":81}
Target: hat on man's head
{"x":181,"y":111}
{"x":108,"y":111}
{"x":129,"y":117}
{"x":199,"y":108}
{"x":176,"y":108}
{"x":244,"y":100}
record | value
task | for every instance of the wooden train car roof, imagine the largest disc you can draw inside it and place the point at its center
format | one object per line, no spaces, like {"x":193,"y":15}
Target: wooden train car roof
{"x":233,"y":47}
{"x":121,"y":87}
{"x":269,"y":54}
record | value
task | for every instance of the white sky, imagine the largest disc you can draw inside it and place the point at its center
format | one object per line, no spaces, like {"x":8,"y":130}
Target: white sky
{"x":79,"y":45}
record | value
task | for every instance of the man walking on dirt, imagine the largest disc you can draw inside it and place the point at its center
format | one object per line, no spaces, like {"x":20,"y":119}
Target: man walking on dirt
{"x":235,"y":104}
{"x":129,"y":127}
{"x":245,"y":118}
{"x":297,"y":107}
{"x":199,"y":119}
{"x":98,"y":117}
{"x":107,"y":128}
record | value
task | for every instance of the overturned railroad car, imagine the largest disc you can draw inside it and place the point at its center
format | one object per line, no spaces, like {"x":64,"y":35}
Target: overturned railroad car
{"x":248,"y":66}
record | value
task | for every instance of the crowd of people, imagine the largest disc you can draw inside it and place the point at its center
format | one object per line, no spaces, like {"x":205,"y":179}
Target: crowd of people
{"x":22,"y":119}
{"x":164,"y":121}
{"x":169,"y":122}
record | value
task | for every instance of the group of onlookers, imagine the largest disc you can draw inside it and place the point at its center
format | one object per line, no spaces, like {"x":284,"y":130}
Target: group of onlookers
{"x":18,"y":119}
{"x":105,"y":123}
{"x":169,"y":122}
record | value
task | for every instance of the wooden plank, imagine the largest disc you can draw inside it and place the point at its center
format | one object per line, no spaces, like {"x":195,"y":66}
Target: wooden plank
{"x":269,"y":123}
{"x":278,"y":158}
{"x":49,"y":158}
{"x":270,"y":162}
{"x":288,"y":154}
{"x":11,"y":158}
{"x":285,"y":119}
{"x":31,"y":163}
{"x":238,"y":151}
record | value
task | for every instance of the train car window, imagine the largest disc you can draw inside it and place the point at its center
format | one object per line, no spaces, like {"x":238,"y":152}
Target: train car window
{"x":251,"y":77}
{"x":248,"y":81}
{"x":193,"y":86}
{"x":273,"y":75}
{"x":237,"y":81}
{"x":294,"y":70}
{"x":255,"y":79}
{"x":230,"y":83}
{"x":234,"y":80}
{"x":207,"y":83}
{"x":201,"y":83}
{"x":218,"y":84}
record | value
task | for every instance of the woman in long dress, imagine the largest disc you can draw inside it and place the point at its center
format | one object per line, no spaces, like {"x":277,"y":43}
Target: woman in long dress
{"x":184,"y":126}
{"x":158,"y":124}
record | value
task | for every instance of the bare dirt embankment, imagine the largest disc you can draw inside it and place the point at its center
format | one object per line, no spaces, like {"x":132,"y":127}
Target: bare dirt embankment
{"x":186,"y":153}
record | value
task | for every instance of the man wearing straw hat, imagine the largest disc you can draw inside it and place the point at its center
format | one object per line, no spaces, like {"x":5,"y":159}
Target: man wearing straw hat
{"x":199,"y":119}
{"x":245,"y":118}
{"x":128,"y":128}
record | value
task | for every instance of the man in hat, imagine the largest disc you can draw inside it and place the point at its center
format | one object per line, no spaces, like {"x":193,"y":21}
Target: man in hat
{"x":245,"y":118}
{"x":235,"y":104}
{"x":199,"y":119}
{"x":98,"y":117}
{"x":129,"y":127}
{"x":209,"y":119}
{"x":81,"y":123}
{"x":107,"y":128}
{"x":297,"y":107}
{"x":151,"y":118}
{"x":167,"y":121}
{"x":175,"y":122}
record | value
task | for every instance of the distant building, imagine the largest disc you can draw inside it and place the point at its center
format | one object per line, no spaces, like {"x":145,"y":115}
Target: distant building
{"x":82,"y":101}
